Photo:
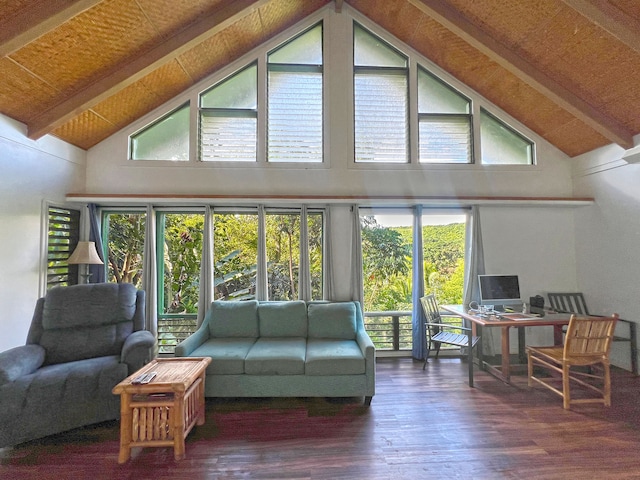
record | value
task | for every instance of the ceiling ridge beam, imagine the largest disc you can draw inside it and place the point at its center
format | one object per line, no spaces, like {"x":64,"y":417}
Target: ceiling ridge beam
{"x":525,"y":71}
{"x":32,"y":22}
{"x":617,"y":23}
{"x":123,"y":75}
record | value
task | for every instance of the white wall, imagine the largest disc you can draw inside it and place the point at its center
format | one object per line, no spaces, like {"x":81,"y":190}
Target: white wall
{"x":32,"y":172}
{"x":608,"y":237}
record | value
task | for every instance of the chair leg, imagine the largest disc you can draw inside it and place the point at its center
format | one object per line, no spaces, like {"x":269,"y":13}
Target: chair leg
{"x":566,"y":392}
{"x":607,"y":384}
{"x":438,"y":349}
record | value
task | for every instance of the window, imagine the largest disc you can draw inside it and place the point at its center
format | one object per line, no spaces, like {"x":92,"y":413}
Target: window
{"x":124,"y":233}
{"x":229,"y":118}
{"x":230,"y":110}
{"x":63,"y":233}
{"x":283,"y":254}
{"x":445,"y":122}
{"x":179,"y":263}
{"x":389,"y":262}
{"x":381,"y":103}
{"x":165,"y":139}
{"x":501,"y":145}
{"x":235,"y":240}
{"x":295,"y":99}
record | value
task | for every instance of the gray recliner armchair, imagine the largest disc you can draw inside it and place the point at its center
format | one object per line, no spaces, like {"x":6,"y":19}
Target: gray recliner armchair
{"x":83,"y":340}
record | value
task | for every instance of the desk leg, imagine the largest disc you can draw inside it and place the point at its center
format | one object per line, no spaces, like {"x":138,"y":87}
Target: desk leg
{"x":522,"y":341}
{"x":557,"y":335}
{"x":506,"y":369}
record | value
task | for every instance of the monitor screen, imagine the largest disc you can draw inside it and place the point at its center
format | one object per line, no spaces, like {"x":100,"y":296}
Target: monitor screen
{"x":499,"y":289}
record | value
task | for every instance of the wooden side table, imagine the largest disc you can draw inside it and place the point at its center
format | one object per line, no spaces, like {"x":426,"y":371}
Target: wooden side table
{"x":162,"y":412}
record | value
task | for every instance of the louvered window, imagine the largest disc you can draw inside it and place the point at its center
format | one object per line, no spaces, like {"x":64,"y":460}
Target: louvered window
{"x":295,"y":99}
{"x":445,"y":122}
{"x":165,"y":139}
{"x":229,"y":118}
{"x":381,"y":104}
{"x":63,"y":235}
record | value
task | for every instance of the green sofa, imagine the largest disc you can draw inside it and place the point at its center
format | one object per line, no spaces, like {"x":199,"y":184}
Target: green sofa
{"x":83,"y":340}
{"x":284,"y":349}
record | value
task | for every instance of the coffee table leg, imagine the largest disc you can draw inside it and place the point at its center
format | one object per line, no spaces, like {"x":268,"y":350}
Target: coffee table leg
{"x":125,"y":428}
{"x":178,"y":430}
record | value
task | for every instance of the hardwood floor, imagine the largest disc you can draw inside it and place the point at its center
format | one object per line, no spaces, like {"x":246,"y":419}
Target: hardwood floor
{"x":421,"y":424}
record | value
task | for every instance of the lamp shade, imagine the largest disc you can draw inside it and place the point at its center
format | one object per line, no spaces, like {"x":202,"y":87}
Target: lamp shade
{"x":85,"y":253}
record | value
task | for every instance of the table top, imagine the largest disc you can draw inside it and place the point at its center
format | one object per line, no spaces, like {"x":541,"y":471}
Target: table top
{"x":508,"y":319}
{"x":173,"y":375}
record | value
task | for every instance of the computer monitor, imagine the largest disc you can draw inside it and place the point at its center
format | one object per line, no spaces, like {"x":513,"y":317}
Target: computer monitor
{"x":499,"y":289}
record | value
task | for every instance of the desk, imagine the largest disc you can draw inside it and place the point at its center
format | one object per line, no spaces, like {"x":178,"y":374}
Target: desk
{"x":503,"y":372}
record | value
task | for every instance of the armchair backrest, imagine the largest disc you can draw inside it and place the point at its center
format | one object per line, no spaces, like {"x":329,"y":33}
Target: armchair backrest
{"x":85,"y":321}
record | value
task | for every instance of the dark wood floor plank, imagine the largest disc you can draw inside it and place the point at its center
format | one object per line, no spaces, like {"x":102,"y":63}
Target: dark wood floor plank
{"x":421,"y":424}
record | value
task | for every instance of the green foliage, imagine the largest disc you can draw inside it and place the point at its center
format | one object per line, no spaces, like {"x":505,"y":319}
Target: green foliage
{"x":386,"y":255}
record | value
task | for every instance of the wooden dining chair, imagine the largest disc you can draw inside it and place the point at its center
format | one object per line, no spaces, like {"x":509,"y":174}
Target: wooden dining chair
{"x":574,"y":302}
{"x":587,"y":343}
{"x":439,"y":332}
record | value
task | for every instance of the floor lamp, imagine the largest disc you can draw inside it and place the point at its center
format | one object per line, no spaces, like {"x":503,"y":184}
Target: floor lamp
{"x":85,"y":254}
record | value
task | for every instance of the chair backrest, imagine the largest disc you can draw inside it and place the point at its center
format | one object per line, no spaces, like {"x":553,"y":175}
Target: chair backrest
{"x":430,"y":309}
{"x":568,"y":303}
{"x":589,"y":339}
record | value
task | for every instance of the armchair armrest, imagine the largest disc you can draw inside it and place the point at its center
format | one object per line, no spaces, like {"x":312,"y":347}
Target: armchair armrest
{"x":19,"y":361}
{"x":193,"y":341}
{"x":136,"y":350}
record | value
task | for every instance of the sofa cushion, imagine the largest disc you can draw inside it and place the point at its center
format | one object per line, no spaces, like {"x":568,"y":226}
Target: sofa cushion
{"x":227,"y":354}
{"x":19,"y":361}
{"x":334,"y":357}
{"x":233,"y":319}
{"x":332,"y":320}
{"x":283,"y":319}
{"x":276,"y":356}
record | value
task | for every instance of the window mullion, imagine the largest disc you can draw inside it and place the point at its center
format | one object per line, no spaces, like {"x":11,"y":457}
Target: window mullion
{"x":262,"y":110}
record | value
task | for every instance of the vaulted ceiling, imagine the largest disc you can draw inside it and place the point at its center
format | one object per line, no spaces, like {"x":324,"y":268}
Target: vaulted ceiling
{"x":82,"y":70}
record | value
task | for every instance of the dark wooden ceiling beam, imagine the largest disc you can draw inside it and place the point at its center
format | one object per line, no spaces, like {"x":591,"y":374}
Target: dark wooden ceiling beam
{"x":617,"y":23}
{"x":121,"y":76}
{"x":37,"y":19}
{"x":454,"y":21}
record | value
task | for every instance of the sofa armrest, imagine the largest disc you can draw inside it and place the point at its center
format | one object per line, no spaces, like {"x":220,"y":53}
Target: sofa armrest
{"x":136,"y":350}
{"x":193,"y":341}
{"x":19,"y":361}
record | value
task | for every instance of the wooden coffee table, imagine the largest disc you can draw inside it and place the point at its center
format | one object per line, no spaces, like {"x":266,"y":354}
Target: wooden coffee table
{"x":162,"y":412}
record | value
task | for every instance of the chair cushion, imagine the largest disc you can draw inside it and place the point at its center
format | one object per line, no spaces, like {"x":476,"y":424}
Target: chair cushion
{"x":332,"y":320}
{"x":283,"y":319}
{"x":233,"y":319}
{"x":276,"y":356}
{"x":334,"y":357}
{"x":227,"y":354}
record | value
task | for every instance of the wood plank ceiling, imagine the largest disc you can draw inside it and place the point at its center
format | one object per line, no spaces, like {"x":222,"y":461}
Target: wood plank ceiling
{"x":82,"y":70}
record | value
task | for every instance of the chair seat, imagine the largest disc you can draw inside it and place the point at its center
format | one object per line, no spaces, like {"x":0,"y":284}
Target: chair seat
{"x":458,"y":339}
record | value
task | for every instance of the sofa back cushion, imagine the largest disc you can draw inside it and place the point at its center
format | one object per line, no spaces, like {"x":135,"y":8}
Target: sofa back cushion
{"x":233,"y":319}
{"x":283,"y":319}
{"x":86,"y":321}
{"x":332,"y":320}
